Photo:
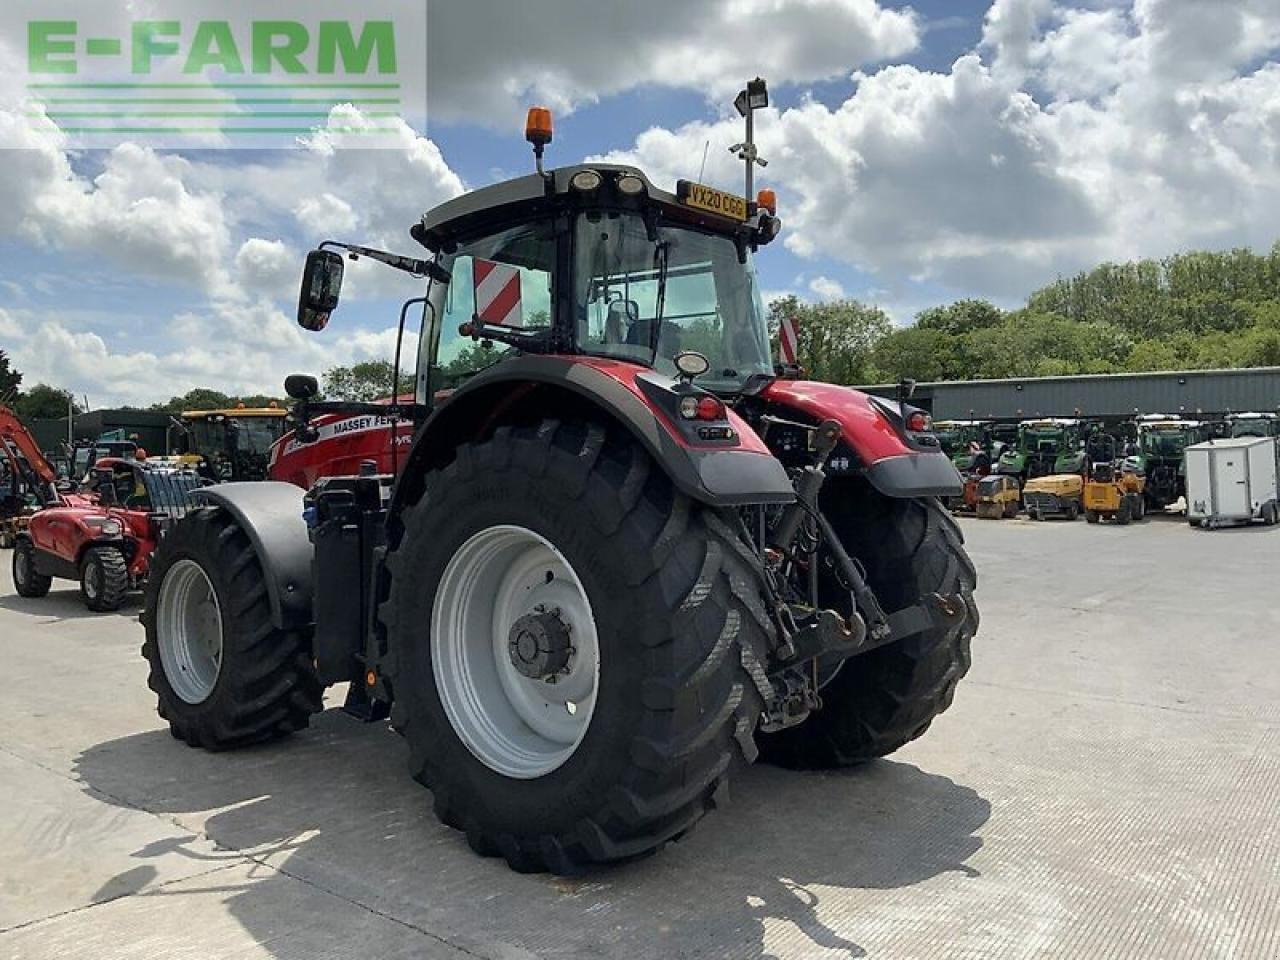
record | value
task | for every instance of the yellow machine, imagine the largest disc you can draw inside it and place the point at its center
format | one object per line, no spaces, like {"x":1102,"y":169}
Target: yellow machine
{"x":996,"y":497}
{"x":1057,"y":495}
{"x":231,"y":444}
{"x":1114,"y":490}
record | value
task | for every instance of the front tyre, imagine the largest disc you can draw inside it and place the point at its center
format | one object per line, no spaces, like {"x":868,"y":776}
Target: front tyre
{"x":104,"y":579}
{"x":887,"y":697}
{"x":577,"y":647}
{"x":223,"y":675}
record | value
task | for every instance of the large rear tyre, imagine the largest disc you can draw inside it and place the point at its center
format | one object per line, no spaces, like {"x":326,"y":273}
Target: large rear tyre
{"x":578,"y":647}
{"x":104,"y":579}
{"x":223,"y":675}
{"x":886,"y":698}
{"x":26,"y":580}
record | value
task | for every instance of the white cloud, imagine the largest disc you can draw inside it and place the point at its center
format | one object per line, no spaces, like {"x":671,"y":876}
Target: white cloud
{"x":490,"y":58}
{"x":824,"y":288}
{"x":266,"y":345}
{"x":1081,"y":137}
{"x":268,"y":267}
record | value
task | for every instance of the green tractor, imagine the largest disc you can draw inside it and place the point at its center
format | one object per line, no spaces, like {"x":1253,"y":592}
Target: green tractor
{"x":1052,"y":445}
{"x":1161,"y":445}
{"x":1253,"y":424}
{"x":967,"y":442}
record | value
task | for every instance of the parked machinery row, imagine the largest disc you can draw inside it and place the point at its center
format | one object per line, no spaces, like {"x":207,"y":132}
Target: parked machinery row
{"x":1064,"y":467}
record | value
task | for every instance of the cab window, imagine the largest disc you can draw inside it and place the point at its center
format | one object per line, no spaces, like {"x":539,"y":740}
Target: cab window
{"x":503,"y":279}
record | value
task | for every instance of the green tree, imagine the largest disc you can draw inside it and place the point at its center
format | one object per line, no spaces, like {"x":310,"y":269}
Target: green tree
{"x":921,"y":353}
{"x":961,"y":317}
{"x":10,"y":380}
{"x":43,"y":402}
{"x":201,"y":398}
{"x":836,"y":338}
{"x":363,"y":382}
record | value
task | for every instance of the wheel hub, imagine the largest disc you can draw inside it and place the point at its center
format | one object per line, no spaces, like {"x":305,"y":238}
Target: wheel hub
{"x":539,"y":645}
{"x":514,"y":651}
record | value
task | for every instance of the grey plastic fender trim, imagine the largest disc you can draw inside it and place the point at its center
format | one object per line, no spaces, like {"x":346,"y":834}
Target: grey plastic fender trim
{"x":270,"y":513}
{"x":916,"y":475}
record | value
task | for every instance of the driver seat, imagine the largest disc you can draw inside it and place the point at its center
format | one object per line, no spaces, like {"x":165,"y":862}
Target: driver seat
{"x":669,"y":338}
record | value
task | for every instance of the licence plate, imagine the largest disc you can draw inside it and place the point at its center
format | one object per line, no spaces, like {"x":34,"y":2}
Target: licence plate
{"x":715,"y":201}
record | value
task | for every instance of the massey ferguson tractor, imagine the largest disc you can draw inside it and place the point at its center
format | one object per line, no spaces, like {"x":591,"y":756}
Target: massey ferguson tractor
{"x":618,"y":556}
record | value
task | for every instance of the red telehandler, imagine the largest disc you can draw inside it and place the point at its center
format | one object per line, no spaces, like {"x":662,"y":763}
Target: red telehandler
{"x":102,"y":536}
{"x":620,"y":555}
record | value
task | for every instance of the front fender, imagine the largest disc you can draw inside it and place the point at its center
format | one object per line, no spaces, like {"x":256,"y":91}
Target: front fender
{"x":893,"y":466}
{"x":719,"y":474}
{"x":270,"y":513}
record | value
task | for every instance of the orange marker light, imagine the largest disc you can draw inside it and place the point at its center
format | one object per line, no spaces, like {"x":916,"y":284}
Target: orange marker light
{"x":768,"y":200}
{"x":370,"y":679}
{"x":537,"y":127}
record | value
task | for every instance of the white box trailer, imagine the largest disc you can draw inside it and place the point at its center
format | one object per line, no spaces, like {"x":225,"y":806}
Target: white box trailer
{"x":1233,"y":480}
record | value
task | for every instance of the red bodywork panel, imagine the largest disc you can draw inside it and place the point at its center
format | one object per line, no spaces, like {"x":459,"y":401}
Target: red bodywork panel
{"x":345,"y":442}
{"x":862,"y":426}
{"x":64,"y":533}
{"x":348,"y":440}
{"x":626,"y":373}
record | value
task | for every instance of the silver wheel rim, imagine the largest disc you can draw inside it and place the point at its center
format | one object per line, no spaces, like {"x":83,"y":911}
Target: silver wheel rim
{"x":189,"y":631}
{"x":519,"y":726}
{"x":20,"y":561}
{"x":92,"y":574}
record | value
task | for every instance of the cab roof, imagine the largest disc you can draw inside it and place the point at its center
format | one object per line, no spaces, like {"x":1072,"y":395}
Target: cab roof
{"x":236,"y":412}
{"x":524,"y":198}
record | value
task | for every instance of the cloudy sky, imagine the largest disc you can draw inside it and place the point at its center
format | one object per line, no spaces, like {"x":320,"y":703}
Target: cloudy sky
{"x":921,"y":152}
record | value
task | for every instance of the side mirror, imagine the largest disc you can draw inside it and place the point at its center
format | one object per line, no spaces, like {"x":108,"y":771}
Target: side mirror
{"x":299,"y":386}
{"x":321,"y":286}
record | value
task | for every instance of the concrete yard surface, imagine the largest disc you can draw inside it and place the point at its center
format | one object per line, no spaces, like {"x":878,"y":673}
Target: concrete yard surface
{"x":1106,"y":785}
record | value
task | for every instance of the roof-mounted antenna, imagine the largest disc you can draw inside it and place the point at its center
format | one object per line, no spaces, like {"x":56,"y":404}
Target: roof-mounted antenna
{"x":702,"y":169}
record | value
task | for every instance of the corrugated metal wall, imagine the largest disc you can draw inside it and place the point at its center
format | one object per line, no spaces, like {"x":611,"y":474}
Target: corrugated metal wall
{"x":1112,"y":395}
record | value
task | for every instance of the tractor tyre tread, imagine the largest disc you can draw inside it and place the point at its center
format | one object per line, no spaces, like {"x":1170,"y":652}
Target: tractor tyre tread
{"x":35,"y":584}
{"x":662,"y":756}
{"x":115,"y":578}
{"x":267,"y":685}
{"x":882,"y":700}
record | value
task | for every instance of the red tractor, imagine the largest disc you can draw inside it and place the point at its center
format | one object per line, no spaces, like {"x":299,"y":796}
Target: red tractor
{"x":103,"y":537}
{"x":620,"y":554}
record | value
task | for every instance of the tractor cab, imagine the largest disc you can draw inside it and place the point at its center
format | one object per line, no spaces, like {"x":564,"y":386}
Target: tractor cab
{"x":1253,"y":424}
{"x":86,"y":453}
{"x":1045,"y":446}
{"x":1161,"y":446}
{"x":223,"y":445}
{"x":968,"y":443}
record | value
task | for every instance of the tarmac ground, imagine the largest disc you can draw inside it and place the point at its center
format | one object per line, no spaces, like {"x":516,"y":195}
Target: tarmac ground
{"x":1106,"y":785}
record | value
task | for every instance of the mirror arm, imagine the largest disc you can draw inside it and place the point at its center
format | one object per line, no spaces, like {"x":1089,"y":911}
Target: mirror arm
{"x":410,"y":265}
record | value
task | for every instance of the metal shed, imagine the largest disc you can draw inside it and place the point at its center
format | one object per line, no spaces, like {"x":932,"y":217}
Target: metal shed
{"x":1111,"y":396}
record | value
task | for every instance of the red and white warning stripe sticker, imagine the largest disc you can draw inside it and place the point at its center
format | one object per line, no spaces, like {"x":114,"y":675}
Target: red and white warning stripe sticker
{"x":788,"y":342}
{"x":497,"y":293}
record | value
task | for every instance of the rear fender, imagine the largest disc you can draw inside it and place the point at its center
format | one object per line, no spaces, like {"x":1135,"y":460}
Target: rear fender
{"x":893,"y":464}
{"x":270,"y":513}
{"x":721,"y":474}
